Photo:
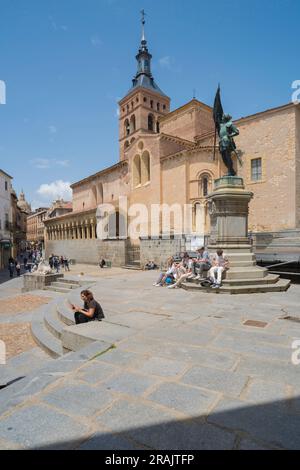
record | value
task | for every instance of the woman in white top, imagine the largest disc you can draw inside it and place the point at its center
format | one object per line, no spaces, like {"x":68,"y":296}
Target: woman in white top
{"x":219,"y":264}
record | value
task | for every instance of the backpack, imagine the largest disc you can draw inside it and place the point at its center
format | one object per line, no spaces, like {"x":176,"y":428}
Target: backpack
{"x":207,"y":282}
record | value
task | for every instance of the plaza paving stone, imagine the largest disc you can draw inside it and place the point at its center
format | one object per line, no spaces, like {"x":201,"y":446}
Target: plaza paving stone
{"x":188,"y":400}
{"x":96,"y":372}
{"x":41,"y":427}
{"x":229,"y":383}
{"x":79,"y":399}
{"x":196,"y":378}
{"x":129,"y":383}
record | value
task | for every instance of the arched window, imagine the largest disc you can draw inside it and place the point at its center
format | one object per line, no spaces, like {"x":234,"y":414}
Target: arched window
{"x":126,"y":127}
{"x":137,"y":171}
{"x":204,"y":184}
{"x":126,"y":144}
{"x":145,"y":167}
{"x":198,"y":218}
{"x":100,"y":193}
{"x":150,"y":122}
{"x":158,"y":106}
{"x":132,"y":140}
{"x":157,"y":127}
{"x":93,"y":197}
{"x":132,"y":124}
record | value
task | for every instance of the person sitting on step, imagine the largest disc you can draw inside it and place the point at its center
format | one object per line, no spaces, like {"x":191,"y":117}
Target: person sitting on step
{"x":91,"y":310}
{"x":219,"y":264}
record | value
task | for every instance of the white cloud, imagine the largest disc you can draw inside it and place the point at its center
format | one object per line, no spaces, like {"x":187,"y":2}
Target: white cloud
{"x":96,"y":41}
{"x":41,"y":163}
{"x":55,"y":190}
{"x":165,"y":62}
{"x":63,"y":163}
{"x":44,"y":163}
{"x":52,"y":129}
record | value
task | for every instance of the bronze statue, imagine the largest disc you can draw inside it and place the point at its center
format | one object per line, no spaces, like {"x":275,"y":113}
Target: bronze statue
{"x":226,"y":143}
{"x":226,"y":131}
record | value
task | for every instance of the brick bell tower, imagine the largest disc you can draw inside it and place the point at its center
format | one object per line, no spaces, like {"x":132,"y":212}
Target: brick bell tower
{"x":144,"y":103}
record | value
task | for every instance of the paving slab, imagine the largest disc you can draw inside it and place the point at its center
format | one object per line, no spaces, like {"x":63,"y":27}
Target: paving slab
{"x":277,"y":371}
{"x":108,"y":441}
{"x":226,"y":382}
{"x":268,"y":422}
{"x":39,"y":427}
{"x":245,"y":345}
{"x":181,"y":352}
{"x":96,"y":372}
{"x":260,"y":391}
{"x":130,"y":383}
{"x":163,"y":367}
{"x":186,"y":399}
{"x":79,"y":399}
{"x":157,"y":429}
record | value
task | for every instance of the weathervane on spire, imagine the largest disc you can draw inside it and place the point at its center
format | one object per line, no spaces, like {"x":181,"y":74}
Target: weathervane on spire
{"x":143,"y":24}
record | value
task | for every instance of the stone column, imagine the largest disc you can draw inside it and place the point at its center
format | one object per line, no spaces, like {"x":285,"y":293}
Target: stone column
{"x":228,"y":208}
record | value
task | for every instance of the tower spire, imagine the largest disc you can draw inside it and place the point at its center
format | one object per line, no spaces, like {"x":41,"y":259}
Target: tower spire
{"x":143,"y":25}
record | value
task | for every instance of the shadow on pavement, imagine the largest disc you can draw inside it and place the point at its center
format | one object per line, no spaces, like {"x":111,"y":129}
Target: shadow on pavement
{"x":231,"y":426}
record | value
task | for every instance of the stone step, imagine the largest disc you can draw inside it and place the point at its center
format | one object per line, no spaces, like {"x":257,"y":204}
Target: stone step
{"x":237,"y":264}
{"x":57,"y":289}
{"x":64,"y":285}
{"x":132,"y":266}
{"x":53,"y":324}
{"x":20,"y":366}
{"x":255,"y":272}
{"x":281,"y":285}
{"x":65,"y":314}
{"x":269,"y":279}
{"x":45,"y":339}
{"x":72,"y":281}
{"x":240,"y":256}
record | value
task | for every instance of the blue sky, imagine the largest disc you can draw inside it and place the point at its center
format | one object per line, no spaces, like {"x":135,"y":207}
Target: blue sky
{"x":66,"y":63}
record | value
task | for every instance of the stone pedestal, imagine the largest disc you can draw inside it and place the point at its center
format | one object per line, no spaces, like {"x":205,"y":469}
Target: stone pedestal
{"x":35,"y":281}
{"x":228,"y":207}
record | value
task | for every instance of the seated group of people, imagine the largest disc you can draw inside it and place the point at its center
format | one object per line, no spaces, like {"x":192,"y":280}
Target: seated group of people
{"x":195,"y":268}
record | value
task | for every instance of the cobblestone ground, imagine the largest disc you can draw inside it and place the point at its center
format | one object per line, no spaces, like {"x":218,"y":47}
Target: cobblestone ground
{"x":17,"y":338}
{"x":188,"y":371}
{"x":16,"y":311}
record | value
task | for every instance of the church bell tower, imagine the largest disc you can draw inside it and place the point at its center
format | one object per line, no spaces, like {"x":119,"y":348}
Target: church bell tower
{"x":144,"y":103}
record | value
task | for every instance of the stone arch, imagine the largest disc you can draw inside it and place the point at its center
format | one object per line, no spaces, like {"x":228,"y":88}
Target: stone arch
{"x":137,"y":171}
{"x":204,"y":183}
{"x":151,"y":122}
{"x":199,"y":218}
{"x":99,"y":193}
{"x":93,"y":197}
{"x":145,"y":167}
{"x":126,"y":127}
{"x":132,"y":124}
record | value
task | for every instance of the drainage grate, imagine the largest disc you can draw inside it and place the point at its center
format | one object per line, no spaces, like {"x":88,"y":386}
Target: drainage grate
{"x":259,"y":324}
{"x":289,"y":317}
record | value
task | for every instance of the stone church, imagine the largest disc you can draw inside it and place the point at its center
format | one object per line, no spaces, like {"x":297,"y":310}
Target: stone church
{"x":167,"y":158}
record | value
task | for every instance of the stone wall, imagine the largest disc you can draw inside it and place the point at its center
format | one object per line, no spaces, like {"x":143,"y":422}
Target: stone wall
{"x":89,"y":251}
{"x":112,"y":250}
{"x":297,"y":116}
{"x":83,"y":251}
{"x":271,"y":137}
{"x":158,"y":250}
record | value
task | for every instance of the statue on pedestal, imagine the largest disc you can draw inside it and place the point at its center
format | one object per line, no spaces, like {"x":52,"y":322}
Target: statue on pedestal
{"x":226,"y":131}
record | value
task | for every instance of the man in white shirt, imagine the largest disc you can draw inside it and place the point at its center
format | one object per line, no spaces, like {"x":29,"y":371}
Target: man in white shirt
{"x":219,"y":264}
